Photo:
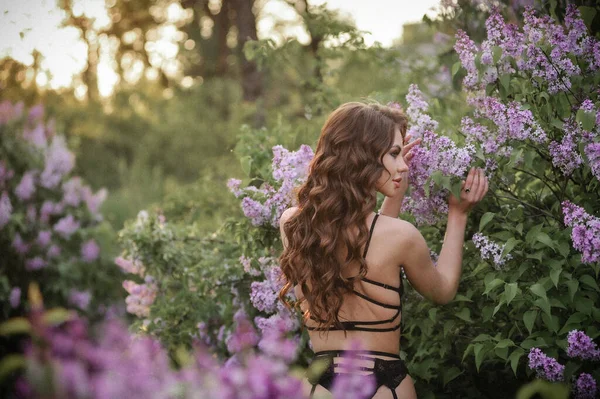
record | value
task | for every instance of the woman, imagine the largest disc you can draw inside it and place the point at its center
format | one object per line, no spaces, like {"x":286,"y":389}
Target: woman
{"x":343,"y":260}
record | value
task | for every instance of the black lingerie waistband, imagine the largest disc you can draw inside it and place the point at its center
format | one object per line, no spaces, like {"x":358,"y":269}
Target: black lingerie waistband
{"x":387,"y":372}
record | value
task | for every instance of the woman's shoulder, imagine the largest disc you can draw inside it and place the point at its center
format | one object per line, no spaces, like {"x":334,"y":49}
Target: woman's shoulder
{"x":397,"y":228}
{"x":287,"y":214}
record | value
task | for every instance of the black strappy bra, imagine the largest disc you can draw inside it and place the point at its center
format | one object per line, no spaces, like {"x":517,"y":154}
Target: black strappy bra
{"x":369,"y":325}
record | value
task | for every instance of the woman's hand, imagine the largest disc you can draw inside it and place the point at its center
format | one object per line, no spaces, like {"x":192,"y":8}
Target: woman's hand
{"x":407,"y":152}
{"x":472,"y":191}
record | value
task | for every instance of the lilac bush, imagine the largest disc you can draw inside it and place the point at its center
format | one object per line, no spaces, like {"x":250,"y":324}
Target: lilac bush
{"x":48,"y":217}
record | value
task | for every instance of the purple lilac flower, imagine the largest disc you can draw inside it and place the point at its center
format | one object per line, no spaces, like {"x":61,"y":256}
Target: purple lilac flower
{"x":234,"y":186}
{"x":90,"y":251}
{"x":59,"y":162}
{"x":80,"y":299}
{"x":36,"y":135}
{"x":72,"y":190}
{"x":416,"y":111}
{"x":130,"y":266}
{"x":15,"y":297}
{"x":20,"y":246}
{"x":585,"y":387}
{"x":586,"y":231}
{"x":94,"y":201}
{"x":5,"y":209}
{"x":352,"y":385}
{"x":31,"y":214}
{"x":244,"y":335}
{"x":545,"y":367}
{"x":434,"y":154}
{"x":282,"y":320}
{"x":512,"y":122}
{"x":36,"y":113}
{"x":466,"y":50}
{"x":255,"y":211}
{"x":264,"y":294}
{"x":54,"y":251}
{"x":66,"y":226}
{"x":490,"y":250}
{"x":35,"y":263}
{"x":581,"y":346}
{"x":44,"y":237}
{"x":592,"y":152}
{"x":275,"y":344}
{"x":555,"y":68}
{"x":264,"y":206}
{"x":141,"y":296}
{"x":26,"y":187}
{"x":10,"y":112}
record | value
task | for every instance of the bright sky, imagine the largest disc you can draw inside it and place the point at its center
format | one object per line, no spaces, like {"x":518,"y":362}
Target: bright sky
{"x":34,"y":24}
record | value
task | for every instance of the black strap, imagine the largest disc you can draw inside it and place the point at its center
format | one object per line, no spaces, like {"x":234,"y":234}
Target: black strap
{"x":370,"y":234}
{"x":355,"y":353}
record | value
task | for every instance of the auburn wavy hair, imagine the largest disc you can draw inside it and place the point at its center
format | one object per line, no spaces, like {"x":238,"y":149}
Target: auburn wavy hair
{"x":333,"y":205}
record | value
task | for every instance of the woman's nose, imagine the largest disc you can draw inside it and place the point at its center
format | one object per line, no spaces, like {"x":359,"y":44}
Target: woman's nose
{"x":402,"y":165}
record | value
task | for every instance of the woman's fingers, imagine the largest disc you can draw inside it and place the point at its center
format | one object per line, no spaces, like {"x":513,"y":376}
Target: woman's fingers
{"x":470,"y":179}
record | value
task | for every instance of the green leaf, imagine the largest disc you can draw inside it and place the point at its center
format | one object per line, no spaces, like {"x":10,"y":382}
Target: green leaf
{"x":584,"y":305}
{"x":246,"y":163}
{"x":574,"y":321}
{"x":433,"y":314}
{"x":543,"y":389}
{"x":482,"y":338}
{"x":57,"y":316}
{"x":455,"y":68}
{"x":573,"y":285}
{"x":496,"y":53}
{"x":586,"y":119}
{"x":480,"y":352}
{"x":464,"y":314}
{"x":510,"y":291}
{"x":16,"y":325}
{"x":505,"y":81}
{"x":492,"y":284}
{"x":510,"y":244}
{"x":545,"y":239}
{"x":543,"y":304}
{"x":539,"y":290}
{"x":529,"y":319}
{"x":514,"y":359}
{"x":505,"y":343}
{"x":11,"y":363}
{"x":485,"y":219}
{"x":587,"y":14}
{"x":589,"y":281}
{"x":451,"y":374}
{"x":550,"y":321}
{"x":554,"y":274}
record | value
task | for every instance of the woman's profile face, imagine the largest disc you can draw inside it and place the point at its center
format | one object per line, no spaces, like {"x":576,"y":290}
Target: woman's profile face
{"x":394,"y":179}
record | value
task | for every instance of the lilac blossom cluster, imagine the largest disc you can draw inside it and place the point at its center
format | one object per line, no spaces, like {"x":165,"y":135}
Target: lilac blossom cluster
{"x":43,"y":216}
{"x":585,"y":387}
{"x":119,"y":364}
{"x":545,"y":367}
{"x":544,"y":49}
{"x":434,"y":154}
{"x":585,"y":233}
{"x":490,"y":250}
{"x":141,"y":296}
{"x":581,"y":346}
{"x":264,"y":206}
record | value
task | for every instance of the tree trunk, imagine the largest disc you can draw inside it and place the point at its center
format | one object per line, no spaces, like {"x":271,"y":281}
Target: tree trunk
{"x":252,"y":79}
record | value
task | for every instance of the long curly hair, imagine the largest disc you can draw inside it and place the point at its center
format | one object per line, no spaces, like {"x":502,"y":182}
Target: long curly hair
{"x":334,"y":203}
